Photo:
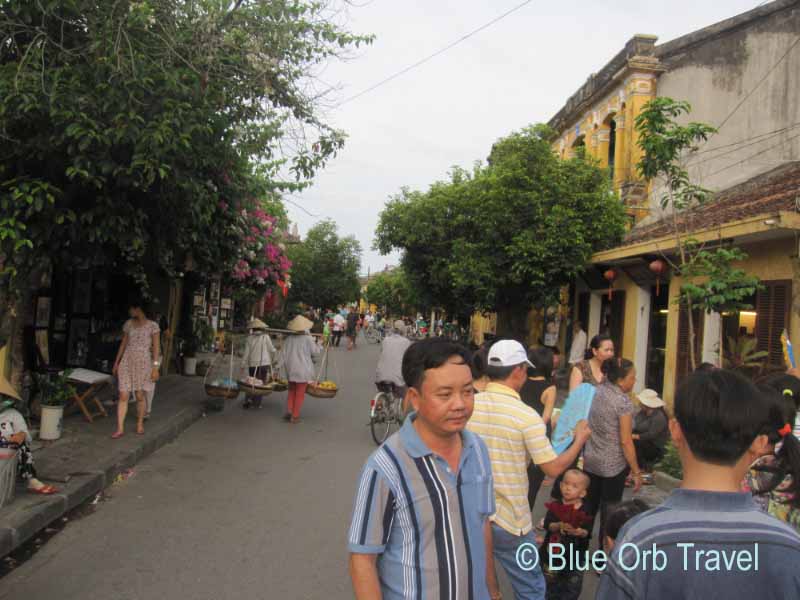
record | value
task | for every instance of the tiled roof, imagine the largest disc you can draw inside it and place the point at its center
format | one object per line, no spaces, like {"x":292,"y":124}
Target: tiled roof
{"x":766,"y":194}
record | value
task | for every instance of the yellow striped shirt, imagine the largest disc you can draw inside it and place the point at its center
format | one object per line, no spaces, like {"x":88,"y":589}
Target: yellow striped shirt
{"x":514,"y":434}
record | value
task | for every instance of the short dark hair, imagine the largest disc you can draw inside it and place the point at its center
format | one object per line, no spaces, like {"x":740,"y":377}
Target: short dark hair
{"x":430,"y":353}
{"x":706,"y":367}
{"x":500,"y":373}
{"x":616,"y":368}
{"x":720,"y":413}
{"x":621,"y":513}
{"x":542,"y":359}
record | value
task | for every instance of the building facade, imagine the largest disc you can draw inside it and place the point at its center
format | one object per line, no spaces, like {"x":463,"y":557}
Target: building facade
{"x":739,"y":75}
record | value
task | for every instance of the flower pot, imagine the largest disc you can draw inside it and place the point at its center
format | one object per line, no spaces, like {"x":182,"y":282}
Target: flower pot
{"x":52,"y":416}
{"x":189,"y":365}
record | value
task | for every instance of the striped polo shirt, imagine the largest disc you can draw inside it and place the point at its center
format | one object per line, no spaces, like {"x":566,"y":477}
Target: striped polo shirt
{"x":711,"y":545}
{"x":515,"y":434}
{"x":424,"y":521}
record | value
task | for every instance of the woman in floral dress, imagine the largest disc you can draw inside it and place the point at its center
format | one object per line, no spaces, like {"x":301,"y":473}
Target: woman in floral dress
{"x":136,"y":367}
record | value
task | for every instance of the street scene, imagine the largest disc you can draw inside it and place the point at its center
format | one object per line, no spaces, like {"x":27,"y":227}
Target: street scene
{"x":453,"y":300}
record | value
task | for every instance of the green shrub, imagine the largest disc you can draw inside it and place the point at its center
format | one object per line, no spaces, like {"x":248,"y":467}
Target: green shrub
{"x":671,"y":463}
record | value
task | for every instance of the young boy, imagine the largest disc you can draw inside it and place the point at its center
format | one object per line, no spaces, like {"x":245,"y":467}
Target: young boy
{"x":568,"y":526}
{"x":708,"y":539}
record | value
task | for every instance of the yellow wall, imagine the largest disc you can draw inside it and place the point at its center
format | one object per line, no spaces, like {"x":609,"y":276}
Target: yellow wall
{"x":768,"y":261}
{"x":631,"y":302}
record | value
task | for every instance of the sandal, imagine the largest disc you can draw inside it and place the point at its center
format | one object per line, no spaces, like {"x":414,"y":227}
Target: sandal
{"x":140,"y":431}
{"x":296,"y":420}
{"x":117,"y":434}
{"x":287,"y":417}
{"x":45,"y":490}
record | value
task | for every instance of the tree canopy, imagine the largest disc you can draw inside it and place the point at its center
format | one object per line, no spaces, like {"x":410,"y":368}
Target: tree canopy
{"x":507,"y":235}
{"x":395,"y":292}
{"x":137,"y":130}
{"x":325,"y":267}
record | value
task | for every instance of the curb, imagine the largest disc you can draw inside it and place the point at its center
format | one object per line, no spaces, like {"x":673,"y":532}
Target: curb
{"x":666,"y":483}
{"x":82,"y":487}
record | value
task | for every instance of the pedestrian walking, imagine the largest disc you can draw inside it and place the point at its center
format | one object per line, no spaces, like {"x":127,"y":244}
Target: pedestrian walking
{"x":257,"y":358}
{"x":352,"y":329}
{"x":299,"y":352}
{"x":515,"y":434}
{"x":136,"y":366}
{"x":339,"y":323}
{"x":610,"y":454}
{"x":420,"y":520}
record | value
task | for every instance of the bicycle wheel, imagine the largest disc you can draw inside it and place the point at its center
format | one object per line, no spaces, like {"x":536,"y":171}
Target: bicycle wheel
{"x":373,"y":337}
{"x":379,"y":423}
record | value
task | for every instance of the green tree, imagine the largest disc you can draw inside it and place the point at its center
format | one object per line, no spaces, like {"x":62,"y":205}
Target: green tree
{"x":507,"y":235}
{"x":325,"y":267}
{"x":709,"y":279}
{"x":139,"y":130}
{"x":395,"y":293}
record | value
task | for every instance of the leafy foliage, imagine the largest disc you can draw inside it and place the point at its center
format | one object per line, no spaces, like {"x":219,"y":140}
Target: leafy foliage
{"x":742,"y":353}
{"x":710,"y":280}
{"x":394,"y":292}
{"x":508,"y":234}
{"x":139,"y":130}
{"x":325,"y":267}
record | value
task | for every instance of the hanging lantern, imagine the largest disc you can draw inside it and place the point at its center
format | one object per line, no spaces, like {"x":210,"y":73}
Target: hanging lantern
{"x":610,"y":276}
{"x":658,"y":267}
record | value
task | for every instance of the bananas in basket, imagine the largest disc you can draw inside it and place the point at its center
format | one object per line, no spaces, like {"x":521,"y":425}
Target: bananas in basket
{"x":327,"y":385}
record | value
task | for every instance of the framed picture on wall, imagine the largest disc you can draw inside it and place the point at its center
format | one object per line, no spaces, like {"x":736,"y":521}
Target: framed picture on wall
{"x":82,"y":292}
{"x":78,"y":347}
{"x":43,"y":304}
{"x":43,"y":345}
{"x":226,"y":303}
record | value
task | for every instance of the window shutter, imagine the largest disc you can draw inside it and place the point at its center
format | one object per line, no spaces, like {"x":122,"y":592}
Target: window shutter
{"x":772,"y":308}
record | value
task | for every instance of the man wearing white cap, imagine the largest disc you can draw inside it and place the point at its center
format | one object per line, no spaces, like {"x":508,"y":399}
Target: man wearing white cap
{"x":515,"y":434}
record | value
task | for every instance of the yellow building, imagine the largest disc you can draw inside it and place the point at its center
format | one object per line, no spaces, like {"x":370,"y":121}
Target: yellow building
{"x":750,"y":164}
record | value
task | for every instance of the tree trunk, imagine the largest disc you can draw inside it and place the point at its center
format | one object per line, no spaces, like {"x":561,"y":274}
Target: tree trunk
{"x":512,"y":323}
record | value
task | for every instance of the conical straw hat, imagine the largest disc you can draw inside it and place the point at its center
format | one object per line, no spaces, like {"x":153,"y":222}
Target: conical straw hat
{"x":7,"y":390}
{"x":256,"y":324}
{"x":299,"y":324}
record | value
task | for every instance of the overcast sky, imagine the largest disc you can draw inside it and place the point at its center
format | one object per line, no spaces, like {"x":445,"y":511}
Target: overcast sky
{"x":450,"y":110}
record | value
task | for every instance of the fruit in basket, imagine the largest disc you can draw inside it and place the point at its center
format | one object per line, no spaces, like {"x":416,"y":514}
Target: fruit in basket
{"x":327,"y":385}
{"x":281,"y":382}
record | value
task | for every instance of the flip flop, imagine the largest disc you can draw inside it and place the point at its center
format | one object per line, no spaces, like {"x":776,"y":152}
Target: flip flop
{"x":45,"y":490}
{"x":117,"y":434}
{"x":287,"y":417}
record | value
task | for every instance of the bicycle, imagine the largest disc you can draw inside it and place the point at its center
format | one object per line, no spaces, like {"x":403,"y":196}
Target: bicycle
{"x":385,"y":411}
{"x":373,"y":335}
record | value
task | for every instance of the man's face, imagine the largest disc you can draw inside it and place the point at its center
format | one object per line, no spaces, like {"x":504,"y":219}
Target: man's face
{"x":446,"y":398}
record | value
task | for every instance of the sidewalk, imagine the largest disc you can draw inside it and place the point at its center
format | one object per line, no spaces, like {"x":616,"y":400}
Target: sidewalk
{"x":86,"y":460}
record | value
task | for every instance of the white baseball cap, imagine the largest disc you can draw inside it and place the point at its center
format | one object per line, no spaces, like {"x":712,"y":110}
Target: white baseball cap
{"x":507,"y":353}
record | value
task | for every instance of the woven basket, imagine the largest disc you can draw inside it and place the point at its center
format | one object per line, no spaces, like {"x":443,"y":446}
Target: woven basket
{"x":222,"y":392}
{"x":279,"y":387}
{"x":250,"y":390}
{"x":8,"y":475}
{"x":318,"y":392}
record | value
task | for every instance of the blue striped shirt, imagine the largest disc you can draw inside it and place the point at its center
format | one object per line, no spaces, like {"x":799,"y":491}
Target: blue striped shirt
{"x":709,"y":545}
{"x":424,"y":521}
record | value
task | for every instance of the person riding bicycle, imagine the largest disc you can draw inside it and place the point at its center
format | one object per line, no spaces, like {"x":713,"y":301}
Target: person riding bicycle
{"x":390,"y":362}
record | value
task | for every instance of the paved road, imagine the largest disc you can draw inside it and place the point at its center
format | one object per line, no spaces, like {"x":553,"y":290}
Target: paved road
{"x":241,"y":506}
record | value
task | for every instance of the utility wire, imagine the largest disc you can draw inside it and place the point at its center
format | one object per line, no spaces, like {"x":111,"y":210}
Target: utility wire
{"x":741,"y":146}
{"x":434,"y":55}
{"x":752,"y":156}
{"x":766,"y":134}
{"x":310,"y":214}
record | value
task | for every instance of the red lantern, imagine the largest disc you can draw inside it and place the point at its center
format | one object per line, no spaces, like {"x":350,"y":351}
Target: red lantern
{"x":658,"y":267}
{"x":610,"y":276}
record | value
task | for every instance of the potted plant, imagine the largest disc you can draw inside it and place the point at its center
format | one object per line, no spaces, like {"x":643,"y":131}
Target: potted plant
{"x":189,"y":348}
{"x":55,"y":391}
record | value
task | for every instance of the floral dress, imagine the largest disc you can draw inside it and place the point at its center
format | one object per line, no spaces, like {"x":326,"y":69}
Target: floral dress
{"x":778,"y":501}
{"x":136,"y":366}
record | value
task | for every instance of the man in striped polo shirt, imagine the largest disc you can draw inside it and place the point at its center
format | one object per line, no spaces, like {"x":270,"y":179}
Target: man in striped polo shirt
{"x":515,"y":434}
{"x":708,"y":539}
{"x":420,"y":523}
